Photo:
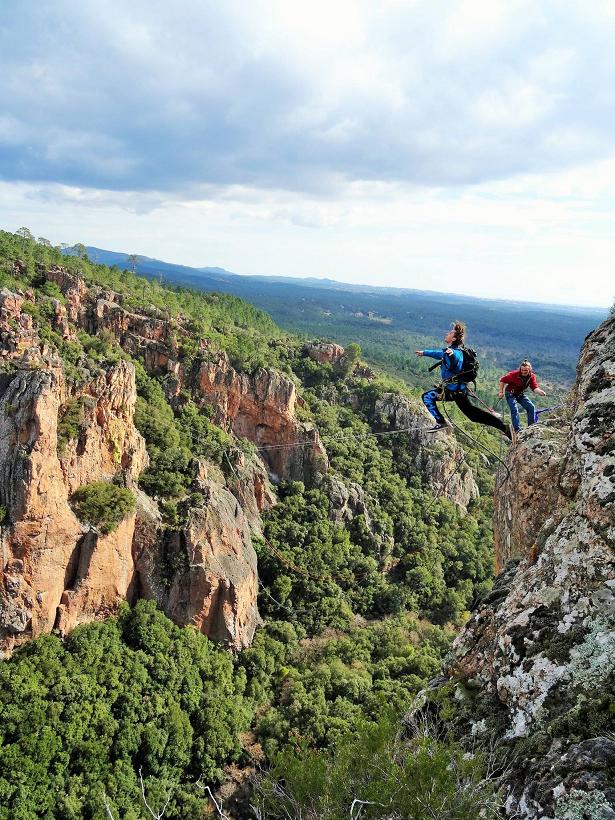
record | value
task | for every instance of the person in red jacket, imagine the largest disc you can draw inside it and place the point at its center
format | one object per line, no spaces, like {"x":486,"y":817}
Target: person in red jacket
{"x":516,"y":383}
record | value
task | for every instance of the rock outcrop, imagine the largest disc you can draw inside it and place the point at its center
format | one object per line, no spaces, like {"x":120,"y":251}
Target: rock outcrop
{"x":57,"y":437}
{"x":249,"y":482}
{"x":535,"y":665}
{"x":439,"y":462}
{"x":324,"y":352}
{"x":56,"y":571}
{"x":261,"y":408}
{"x":205,"y":575}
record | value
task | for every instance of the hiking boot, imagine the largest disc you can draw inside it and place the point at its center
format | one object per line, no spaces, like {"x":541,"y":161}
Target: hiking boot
{"x":439,"y":425}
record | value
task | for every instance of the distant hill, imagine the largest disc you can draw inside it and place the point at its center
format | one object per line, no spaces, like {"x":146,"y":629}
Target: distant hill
{"x":388,"y":322}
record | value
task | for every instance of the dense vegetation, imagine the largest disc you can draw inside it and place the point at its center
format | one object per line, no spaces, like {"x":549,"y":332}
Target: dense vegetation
{"x":311,"y":693}
{"x":80,"y":719}
{"x":339,"y":645}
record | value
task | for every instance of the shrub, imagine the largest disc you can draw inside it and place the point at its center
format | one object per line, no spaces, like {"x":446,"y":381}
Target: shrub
{"x":70,"y":421}
{"x":52,"y":290}
{"x":389,"y":776}
{"x":80,"y":718}
{"x":102,"y":505}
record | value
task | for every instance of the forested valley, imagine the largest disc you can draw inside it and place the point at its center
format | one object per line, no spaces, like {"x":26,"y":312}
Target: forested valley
{"x":357,"y":612}
{"x":390,"y":323}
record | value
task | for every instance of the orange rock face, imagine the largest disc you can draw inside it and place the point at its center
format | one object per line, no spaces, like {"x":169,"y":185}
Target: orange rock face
{"x":216,"y":592}
{"x":324,"y":352}
{"x":261,"y":408}
{"x":55,"y":572}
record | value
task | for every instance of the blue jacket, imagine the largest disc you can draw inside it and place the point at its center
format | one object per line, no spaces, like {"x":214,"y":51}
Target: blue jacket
{"x":451,"y":365}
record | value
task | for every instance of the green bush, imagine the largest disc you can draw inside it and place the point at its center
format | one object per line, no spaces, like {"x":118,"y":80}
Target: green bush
{"x":81,"y":718}
{"x":70,"y":422}
{"x":393,"y":777}
{"x":52,"y":290}
{"x":102,"y":504}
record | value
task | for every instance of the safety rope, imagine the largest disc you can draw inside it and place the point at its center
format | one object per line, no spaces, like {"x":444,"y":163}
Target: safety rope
{"x":485,"y":405}
{"x":478,"y":444}
{"x":324,"y":439}
{"x":548,"y":409}
{"x":438,"y":495}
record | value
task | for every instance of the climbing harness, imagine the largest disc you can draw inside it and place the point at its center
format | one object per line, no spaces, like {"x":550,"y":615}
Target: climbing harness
{"x":469,"y":368}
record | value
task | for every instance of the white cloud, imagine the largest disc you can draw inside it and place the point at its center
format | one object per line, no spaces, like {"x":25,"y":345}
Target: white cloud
{"x":283,"y":94}
{"x":413,"y":142}
{"x":539,"y":237}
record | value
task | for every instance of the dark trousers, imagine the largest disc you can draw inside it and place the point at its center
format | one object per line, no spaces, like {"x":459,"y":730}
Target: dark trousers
{"x":462,"y":400}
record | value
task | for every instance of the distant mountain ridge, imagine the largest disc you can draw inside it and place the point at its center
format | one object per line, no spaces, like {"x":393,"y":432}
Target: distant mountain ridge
{"x":176,"y":273}
{"x":390,"y":322}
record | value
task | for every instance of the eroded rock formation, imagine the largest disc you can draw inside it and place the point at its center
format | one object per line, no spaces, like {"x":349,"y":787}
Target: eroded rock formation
{"x":56,"y":571}
{"x":205,"y":575}
{"x":261,"y":408}
{"x":324,"y":352}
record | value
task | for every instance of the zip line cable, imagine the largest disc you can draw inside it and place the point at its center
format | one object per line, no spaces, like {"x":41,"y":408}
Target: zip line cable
{"x":337,"y":578}
{"x":310,"y":442}
{"x":377,"y":434}
{"x":478,"y":444}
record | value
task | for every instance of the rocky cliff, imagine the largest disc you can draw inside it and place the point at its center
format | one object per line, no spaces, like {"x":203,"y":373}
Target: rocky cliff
{"x":441,"y":463}
{"x":58,"y":572}
{"x":261,"y":408}
{"x":535,"y":666}
{"x":66,"y":423}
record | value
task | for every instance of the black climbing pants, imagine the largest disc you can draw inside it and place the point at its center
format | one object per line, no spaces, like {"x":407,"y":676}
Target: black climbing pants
{"x":473,"y":412}
{"x":463,"y":402}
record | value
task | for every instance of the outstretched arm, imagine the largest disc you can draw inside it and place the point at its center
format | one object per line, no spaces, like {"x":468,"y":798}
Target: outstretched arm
{"x":534,"y":386}
{"x":433,"y":354}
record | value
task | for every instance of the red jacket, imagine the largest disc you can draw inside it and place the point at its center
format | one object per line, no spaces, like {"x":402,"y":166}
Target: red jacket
{"x":516,"y":383}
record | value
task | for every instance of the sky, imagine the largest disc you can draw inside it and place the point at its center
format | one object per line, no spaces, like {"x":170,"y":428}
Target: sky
{"x":449,"y":145}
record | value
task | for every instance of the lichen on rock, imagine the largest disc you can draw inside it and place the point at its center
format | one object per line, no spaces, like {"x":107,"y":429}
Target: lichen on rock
{"x":538,"y":651}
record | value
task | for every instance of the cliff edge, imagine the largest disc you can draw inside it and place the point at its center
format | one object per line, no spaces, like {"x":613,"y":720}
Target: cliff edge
{"x":534,"y":668}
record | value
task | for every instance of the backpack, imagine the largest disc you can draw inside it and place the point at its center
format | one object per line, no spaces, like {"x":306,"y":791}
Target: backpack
{"x":469,"y":367}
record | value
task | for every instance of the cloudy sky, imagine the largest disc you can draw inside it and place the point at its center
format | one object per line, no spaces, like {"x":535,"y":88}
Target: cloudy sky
{"x":455,"y":145}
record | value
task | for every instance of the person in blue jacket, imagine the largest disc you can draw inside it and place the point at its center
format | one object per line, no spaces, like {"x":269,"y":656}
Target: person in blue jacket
{"x":450,"y":390}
